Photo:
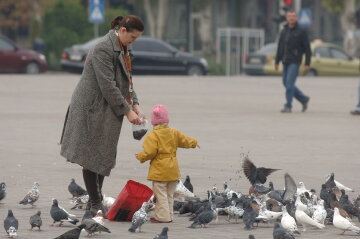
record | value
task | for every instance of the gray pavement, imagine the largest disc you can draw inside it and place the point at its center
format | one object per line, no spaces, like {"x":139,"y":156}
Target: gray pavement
{"x":229,"y":116}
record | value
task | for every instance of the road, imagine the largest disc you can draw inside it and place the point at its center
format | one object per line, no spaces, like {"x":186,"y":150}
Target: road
{"x":230,"y":116}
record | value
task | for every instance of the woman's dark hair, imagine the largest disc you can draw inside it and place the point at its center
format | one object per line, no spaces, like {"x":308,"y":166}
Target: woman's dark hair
{"x":130,"y":22}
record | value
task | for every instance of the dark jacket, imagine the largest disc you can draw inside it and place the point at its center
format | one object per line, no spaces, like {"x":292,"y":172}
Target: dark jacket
{"x":97,"y":108}
{"x":293,"y":43}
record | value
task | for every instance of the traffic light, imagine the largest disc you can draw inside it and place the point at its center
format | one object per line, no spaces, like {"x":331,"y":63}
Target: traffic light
{"x":288,"y":2}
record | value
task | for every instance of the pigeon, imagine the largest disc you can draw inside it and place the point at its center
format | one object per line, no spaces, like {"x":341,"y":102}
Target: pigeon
{"x":233,"y":212}
{"x":188,"y":184}
{"x":344,"y":224}
{"x":139,"y":217}
{"x":304,"y":219}
{"x":203,"y":218}
{"x":32,"y":196}
{"x":249,"y":216}
{"x":268,"y":215}
{"x":72,"y":234}
{"x":87,"y":215}
{"x":182,"y":193}
{"x":163,"y":234}
{"x":91,"y":227}
{"x":288,"y":222}
{"x":320,"y":213}
{"x":75,"y":189}
{"x":330,"y":182}
{"x":2,"y":191}
{"x":59,"y":214}
{"x":281,"y":233}
{"x":11,"y":224}
{"x":177,"y":205}
{"x":302,"y":189}
{"x":80,"y":202}
{"x":340,"y":185}
{"x":251,"y":236}
{"x":35,"y":221}
{"x":348,"y":206}
{"x":108,"y":201}
{"x":256,"y":175}
{"x":99,"y":217}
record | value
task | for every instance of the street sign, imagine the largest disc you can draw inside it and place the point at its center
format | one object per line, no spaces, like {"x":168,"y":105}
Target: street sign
{"x":96,"y":2}
{"x":96,"y":13}
{"x":304,"y":17}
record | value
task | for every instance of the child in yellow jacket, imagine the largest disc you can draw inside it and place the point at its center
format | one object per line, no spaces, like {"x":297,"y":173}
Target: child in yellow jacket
{"x":160,"y":146}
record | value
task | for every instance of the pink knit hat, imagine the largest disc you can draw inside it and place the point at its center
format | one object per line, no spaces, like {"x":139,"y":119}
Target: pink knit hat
{"x":159,"y":115}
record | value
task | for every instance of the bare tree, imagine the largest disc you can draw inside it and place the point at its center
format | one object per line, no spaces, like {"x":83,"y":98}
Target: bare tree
{"x":156,"y":13}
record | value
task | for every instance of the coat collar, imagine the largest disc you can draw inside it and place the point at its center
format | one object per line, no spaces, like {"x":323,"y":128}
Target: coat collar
{"x":114,"y":40}
{"x":161,"y":126}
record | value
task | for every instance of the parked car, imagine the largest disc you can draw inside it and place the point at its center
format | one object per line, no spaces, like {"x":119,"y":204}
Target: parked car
{"x":150,"y":56}
{"x":16,"y":59}
{"x":327,"y":60}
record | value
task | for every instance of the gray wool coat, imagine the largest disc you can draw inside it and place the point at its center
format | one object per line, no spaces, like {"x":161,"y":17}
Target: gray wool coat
{"x":98,"y":104}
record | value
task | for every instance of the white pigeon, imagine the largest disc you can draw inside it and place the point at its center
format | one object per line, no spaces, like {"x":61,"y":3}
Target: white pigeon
{"x":320,"y":213}
{"x":269,"y":215}
{"x":344,"y":224}
{"x":340,"y":185}
{"x":99,"y":218}
{"x":108,"y":201}
{"x":304,"y":219}
{"x":182,"y":193}
{"x":301,"y":205}
{"x":232,"y":212}
{"x":302,"y":189}
{"x":288,"y":222}
{"x":80,"y":202}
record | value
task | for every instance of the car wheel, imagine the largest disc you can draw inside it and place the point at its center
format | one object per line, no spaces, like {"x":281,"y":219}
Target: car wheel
{"x":311,"y":72}
{"x":195,"y":70}
{"x":32,"y":68}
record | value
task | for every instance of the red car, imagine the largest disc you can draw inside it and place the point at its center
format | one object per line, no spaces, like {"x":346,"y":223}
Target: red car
{"x":16,"y":59}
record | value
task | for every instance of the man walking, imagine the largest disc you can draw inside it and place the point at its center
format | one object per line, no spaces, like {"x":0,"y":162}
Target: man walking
{"x":293,"y":43}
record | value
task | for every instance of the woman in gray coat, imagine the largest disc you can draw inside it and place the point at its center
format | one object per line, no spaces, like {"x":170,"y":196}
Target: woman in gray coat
{"x":102,"y":97}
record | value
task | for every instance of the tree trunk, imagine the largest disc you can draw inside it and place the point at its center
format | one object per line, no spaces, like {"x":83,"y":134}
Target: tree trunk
{"x":205,"y":32}
{"x":348,"y":24}
{"x":156,"y":15}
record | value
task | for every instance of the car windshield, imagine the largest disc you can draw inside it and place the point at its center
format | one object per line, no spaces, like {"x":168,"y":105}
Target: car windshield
{"x":268,"y":49}
{"x":90,"y":43}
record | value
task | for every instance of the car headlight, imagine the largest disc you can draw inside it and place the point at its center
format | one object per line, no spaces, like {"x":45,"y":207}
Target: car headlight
{"x":204,"y":62}
{"x":42,"y":57}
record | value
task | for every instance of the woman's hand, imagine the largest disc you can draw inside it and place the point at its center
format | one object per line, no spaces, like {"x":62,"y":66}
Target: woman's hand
{"x":133,"y":117}
{"x":138,"y":111}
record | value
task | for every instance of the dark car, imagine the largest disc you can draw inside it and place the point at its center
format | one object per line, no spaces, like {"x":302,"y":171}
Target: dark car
{"x":150,"y":56}
{"x":16,"y":59}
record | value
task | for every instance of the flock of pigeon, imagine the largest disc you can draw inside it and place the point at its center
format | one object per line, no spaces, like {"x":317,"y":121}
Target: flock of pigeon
{"x":288,"y":209}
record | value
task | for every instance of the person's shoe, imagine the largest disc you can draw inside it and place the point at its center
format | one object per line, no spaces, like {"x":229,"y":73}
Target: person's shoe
{"x":95,"y":207}
{"x":286,"y":110}
{"x":355,"y":112}
{"x":305,"y":104}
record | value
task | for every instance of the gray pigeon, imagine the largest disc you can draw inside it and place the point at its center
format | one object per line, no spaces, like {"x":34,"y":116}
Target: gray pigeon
{"x":11,"y":224}
{"x":249,"y":216}
{"x":91,"y":226}
{"x":188,"y":184}
{"x":203,"y":218}
{"x":251,"y":237}
{"x":2,"y":191}
{"x":87,"y":215}
{"x":254,"y":174}
{"x":60,"y":215}
{"x":163,"y":234}
{"x":32,"y":196}
{"x":72,"y":234}
{"x":35,"y":220}
{"x":75,"y":189}
{"x":281,"y":233}
{"x":140,"y":217}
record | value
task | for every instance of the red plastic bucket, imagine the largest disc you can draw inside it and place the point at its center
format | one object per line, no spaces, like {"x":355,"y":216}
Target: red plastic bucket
{"x":130,"y":199}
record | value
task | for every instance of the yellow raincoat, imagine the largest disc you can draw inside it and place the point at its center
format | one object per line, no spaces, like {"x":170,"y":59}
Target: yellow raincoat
{"x":160,"y":148}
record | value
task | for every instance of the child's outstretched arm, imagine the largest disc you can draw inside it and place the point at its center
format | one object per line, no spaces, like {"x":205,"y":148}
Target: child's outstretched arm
{"x":150,"y":149}
{"x":186,"y":141}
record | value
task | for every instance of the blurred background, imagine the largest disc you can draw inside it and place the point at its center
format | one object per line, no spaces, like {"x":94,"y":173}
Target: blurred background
{"x":193,"y":37}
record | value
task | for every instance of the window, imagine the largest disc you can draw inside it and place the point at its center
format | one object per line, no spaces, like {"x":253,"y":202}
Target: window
{"x":140,"y":45}
{"x":336,"y":53}
{"x":322,"y":52}
{"x":4,"y":45}
{"x":158,"y":47}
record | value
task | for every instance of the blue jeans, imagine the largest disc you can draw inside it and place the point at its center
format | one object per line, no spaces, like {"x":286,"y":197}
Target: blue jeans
{"x":290,"y":73}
